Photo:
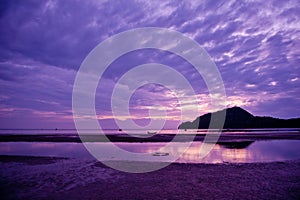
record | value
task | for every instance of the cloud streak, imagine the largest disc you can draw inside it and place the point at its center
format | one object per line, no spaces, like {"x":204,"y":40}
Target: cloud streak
{"x":255,"y":45}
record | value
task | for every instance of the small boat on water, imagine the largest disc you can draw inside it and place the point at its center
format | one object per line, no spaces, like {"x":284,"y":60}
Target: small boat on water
{"x":151,"y":132}
{"x":160,"y":154}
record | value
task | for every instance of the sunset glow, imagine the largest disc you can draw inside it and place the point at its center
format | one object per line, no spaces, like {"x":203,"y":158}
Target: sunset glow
{"x":255,"y":46}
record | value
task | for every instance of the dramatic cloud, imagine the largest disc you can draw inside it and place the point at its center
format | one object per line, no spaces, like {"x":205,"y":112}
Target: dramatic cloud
{"x":255,"y":45}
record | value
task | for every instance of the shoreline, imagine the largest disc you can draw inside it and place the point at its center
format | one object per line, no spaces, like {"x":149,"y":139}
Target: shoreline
{"x":146,"y":138}
{"x":60,"y":178}
{"x":44,"y":160}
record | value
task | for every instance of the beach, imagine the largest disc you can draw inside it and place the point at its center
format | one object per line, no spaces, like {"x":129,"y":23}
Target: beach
{"x":249,"y":166}
{"x":25,"y":177}
{"x":221,"y":137}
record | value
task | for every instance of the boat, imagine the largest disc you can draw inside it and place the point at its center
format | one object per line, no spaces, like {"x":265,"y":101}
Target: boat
{"x":160,"y":154}
{"x":151,"y":132}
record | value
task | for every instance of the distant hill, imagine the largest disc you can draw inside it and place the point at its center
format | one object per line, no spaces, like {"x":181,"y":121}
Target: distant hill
{"x":238,"y":118}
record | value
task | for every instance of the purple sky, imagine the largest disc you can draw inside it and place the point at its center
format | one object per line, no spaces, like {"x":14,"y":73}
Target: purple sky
{"x":255,"y":44}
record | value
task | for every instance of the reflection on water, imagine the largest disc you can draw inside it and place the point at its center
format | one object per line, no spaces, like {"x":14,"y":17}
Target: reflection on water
{"x":236,"y":145}
{"x":259,"y":151}
{"x":72,"y":150}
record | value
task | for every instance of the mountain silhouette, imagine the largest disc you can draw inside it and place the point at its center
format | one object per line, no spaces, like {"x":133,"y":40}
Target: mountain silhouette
{"x":238,"y":118}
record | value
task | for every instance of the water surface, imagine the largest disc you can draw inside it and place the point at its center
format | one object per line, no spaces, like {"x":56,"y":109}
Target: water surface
{"x":258,"y":151}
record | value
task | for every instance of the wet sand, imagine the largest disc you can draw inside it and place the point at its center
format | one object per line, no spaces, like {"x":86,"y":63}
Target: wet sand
{"x":24,"y":177}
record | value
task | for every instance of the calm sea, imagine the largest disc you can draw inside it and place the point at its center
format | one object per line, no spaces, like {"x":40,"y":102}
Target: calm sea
{"x":254,"y":151}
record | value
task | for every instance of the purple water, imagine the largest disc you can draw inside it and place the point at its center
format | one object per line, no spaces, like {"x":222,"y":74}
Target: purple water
{"x":259,"y":151}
